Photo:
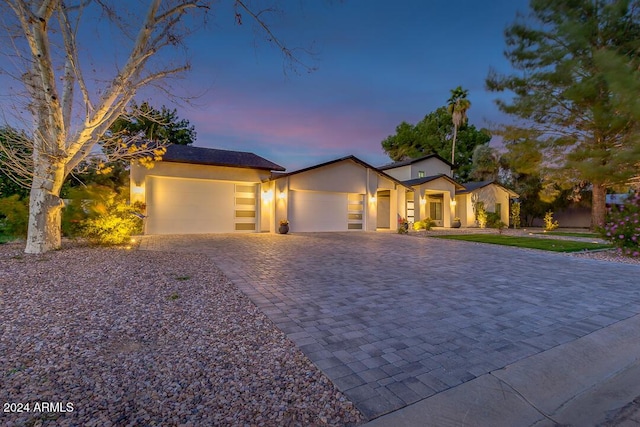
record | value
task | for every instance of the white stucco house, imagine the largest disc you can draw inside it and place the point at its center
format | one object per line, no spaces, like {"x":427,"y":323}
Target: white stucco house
{"x":496,"y":198}
{"x":433,"y":189}
{"x":202,"y":190}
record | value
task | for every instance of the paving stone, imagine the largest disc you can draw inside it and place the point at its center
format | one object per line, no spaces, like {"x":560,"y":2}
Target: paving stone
{"x":348,"y":382}
{"x":470,"y":308}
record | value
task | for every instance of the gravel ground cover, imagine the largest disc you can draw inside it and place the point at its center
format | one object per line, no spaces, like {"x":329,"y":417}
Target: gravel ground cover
{"x":147,"y":338}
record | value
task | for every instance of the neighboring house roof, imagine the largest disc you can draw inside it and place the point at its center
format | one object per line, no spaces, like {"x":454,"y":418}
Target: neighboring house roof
{"x":470,"y":187}
{"x":420,"y":181}
{"x":341,"y":159}
{"x":215,"y":157}
{"x":412,"y":161}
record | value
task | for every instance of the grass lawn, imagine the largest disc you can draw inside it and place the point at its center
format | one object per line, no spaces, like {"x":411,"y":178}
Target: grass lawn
{"x":570,"y":234}
{"x":527,"y":242}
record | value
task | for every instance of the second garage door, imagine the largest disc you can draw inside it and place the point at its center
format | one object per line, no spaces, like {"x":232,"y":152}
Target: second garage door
{"x":325,"y":211}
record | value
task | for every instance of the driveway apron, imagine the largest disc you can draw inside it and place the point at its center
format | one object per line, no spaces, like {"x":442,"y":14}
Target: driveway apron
{"x":393,"y":319}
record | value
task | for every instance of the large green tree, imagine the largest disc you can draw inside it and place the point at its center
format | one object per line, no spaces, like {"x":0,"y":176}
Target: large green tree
{"x":568,"y":99}
{"x":485,"y":163}
{"x":151,"y":124}
{"x":433,"y":135}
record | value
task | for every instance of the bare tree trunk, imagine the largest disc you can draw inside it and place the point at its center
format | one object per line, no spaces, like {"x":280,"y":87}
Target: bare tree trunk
{"x":45,"y":208}
{"x":453,"y":144}
{"x":598,"y":205}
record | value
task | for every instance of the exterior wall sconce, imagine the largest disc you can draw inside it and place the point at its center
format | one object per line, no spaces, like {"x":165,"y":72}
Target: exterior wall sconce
{"x":372,"y":199}
{"x":137,"y":189}
{"x":267,"y":196}
{"x":423,"y":201}
{"x":453,"y":202}
{"x":282,"y":196}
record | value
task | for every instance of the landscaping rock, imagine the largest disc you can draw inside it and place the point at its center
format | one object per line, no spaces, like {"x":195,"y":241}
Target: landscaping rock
{"x":148,"y":338}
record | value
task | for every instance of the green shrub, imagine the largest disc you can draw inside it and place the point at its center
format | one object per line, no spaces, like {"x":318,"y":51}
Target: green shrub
{"x":623,"y":226}
{"x":14,"y":216}
{"x":493,"y":219}
{"x":75,"y":211}
{"x":549,"y":223}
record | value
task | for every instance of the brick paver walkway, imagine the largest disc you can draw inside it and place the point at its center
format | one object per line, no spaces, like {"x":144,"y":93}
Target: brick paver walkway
{"x":394,"y":319}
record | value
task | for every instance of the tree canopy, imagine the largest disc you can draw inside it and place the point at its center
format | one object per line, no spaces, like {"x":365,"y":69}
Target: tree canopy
{"x":575,"y":62}
{"x":71,"y":103}
{"x":151,"y":124}
{"x":139,"y":123}
{"x":433,"y":135}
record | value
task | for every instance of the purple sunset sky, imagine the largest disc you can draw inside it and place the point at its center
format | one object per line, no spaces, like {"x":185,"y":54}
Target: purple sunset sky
{"x":378,"y":63}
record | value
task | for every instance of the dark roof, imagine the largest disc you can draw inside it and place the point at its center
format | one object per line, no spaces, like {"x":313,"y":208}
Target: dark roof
{"x":341,"y":159}
{"x":411,"y":161}
{"x":215,"y":157}
{"x":472,"y":186}
{"x":420,"y":181}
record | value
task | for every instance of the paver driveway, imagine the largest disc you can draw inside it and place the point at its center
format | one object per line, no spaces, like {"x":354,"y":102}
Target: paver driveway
{"x":394,"y":319}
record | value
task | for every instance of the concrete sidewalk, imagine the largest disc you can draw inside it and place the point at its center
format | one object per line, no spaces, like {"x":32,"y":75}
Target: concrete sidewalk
{"x":591,"y":381}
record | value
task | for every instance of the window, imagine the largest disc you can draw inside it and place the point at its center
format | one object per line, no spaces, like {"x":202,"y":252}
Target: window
{"x":421,"y":174}
{"x":245,"y":207}
{"x":410,"y":206}
{"x":498,"y":208}
{"x":355,"y":211}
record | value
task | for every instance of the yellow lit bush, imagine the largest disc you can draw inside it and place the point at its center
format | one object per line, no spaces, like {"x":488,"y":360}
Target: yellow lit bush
{"x":103,"y":216}
{"x":425,"y":224}
{"x":549,"y":223}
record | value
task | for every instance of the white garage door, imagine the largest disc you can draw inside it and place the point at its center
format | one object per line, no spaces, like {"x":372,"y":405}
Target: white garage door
{"x":188,"y":206}
{"x":324,"y":211}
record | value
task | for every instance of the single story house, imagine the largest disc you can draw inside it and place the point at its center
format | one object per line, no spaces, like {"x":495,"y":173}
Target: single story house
{"x":495,"y":197}
{"x":201,"y":190}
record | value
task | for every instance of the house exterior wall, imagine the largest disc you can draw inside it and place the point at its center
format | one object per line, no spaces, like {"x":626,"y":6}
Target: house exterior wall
{"x":402,"y":173}
{"x":343,"y":177}
{"x":464,"y":210}
{"x":493,"y":194}
{"x":431,"y":166}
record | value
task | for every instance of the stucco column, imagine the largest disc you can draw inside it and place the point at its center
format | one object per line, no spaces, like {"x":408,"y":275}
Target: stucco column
{"x":447,"y":209}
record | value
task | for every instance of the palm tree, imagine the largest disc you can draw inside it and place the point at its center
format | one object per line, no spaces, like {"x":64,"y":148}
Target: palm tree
{"x":458,"y":105}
